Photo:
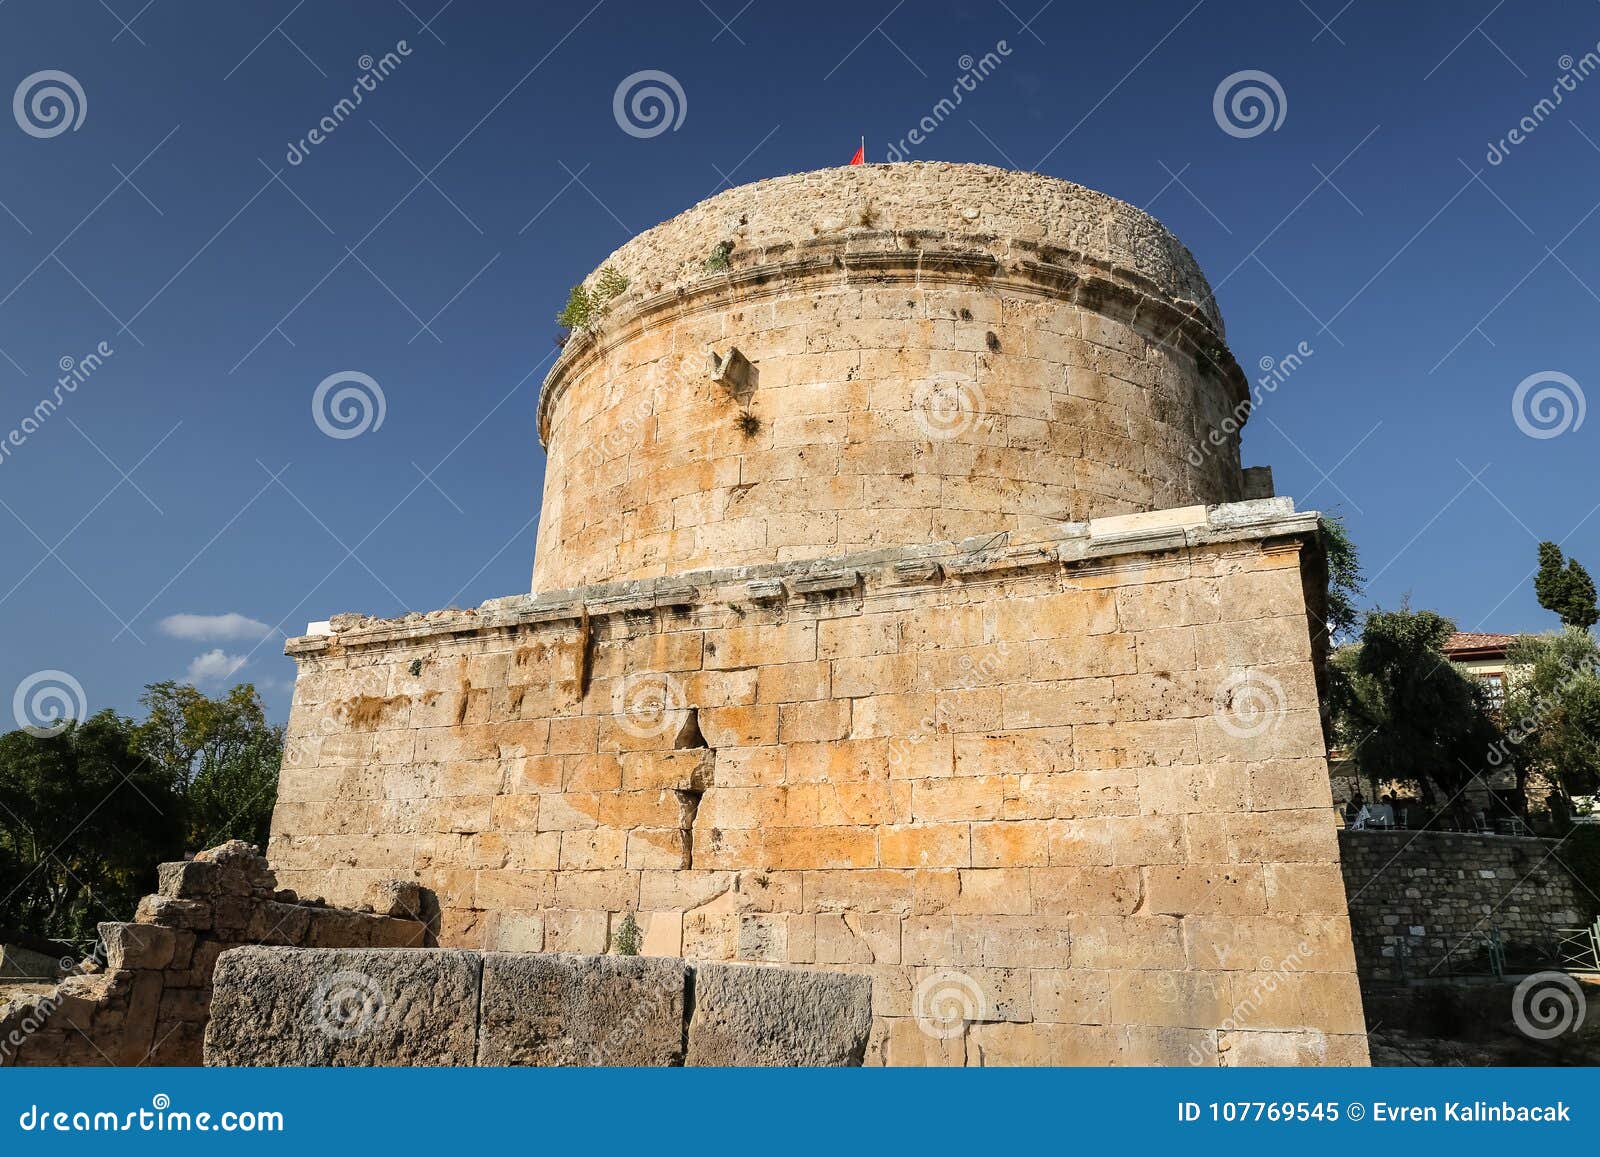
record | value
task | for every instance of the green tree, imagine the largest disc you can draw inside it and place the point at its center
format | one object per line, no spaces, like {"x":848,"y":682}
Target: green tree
{"x":1346,"y":582}
{"x":1563,"y":586}
{"x":86,"y":814}
{"x":83,"y":823}
{"x":1552,"y":710}
{"x":1409,"y":712}
{"x":223,"y":757}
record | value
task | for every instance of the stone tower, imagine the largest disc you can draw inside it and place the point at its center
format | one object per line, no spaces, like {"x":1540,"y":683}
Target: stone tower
{"x":900,"y":606}
{"x":940,"y":351}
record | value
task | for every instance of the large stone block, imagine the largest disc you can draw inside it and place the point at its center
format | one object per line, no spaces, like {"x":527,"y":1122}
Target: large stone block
{"x":288,"y":1006}
{"x":581,"y":1010}
{"x":137,"y":945}
{"x":746,"y":1015}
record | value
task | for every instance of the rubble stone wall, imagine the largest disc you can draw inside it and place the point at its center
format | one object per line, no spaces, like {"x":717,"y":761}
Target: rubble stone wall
{"x":147,"y":1001}
{"x":1064,"y":799}
{"x":1417,"y":898}
{"x":939,"y":351}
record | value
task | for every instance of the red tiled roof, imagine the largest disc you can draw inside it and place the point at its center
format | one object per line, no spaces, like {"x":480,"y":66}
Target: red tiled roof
{"x":1477,"y":641}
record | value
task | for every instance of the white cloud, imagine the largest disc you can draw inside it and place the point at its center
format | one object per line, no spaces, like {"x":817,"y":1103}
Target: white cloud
{"x":213,"y":667}
{"x":212,"y":628}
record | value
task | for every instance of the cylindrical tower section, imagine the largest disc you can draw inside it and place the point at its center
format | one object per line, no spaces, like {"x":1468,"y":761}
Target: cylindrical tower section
{"x":880,"y":355}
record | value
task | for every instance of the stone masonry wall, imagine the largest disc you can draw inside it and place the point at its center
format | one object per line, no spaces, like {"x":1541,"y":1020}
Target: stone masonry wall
{"x":1064,"y":799}
{"x":148,"y":1000}
{"x":939,"y":351}
{"x":1417,"y":896}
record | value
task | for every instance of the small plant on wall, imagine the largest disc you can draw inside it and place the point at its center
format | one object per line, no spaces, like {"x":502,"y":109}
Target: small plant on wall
{"x":585,"y":305}
{"x":608,"y":285}
{"x":718,"y":261}
{"x":1211,"y":360}
{"x":629,"y":939}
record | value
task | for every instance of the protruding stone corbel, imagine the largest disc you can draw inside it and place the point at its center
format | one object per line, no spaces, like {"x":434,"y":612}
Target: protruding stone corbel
{"x":917,"y":570}
{"x":826,"y":582}
{"x":766,"y":590}
{"x":734,"y":372}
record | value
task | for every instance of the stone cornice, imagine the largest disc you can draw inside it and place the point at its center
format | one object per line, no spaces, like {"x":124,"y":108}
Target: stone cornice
{"x":1100,"y":544}
{"x":924,"y":257}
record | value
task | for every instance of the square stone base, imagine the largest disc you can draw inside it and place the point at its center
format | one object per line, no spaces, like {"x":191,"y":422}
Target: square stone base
{"x":1065,"y":800}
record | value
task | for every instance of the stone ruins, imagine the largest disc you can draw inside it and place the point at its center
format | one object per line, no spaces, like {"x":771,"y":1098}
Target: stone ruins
{"x":900,"y":608}
{"x":146,"y":1000}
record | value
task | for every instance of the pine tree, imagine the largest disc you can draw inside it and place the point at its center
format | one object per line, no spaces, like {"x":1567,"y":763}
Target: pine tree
{"x":1564,"y":586}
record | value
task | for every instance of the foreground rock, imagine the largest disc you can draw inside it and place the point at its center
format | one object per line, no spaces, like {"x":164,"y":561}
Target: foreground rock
{"x":331,"y":1007}
{"x":581,"y":1010}
{"x":778,"y":1016}
{"x":276,"y":1006}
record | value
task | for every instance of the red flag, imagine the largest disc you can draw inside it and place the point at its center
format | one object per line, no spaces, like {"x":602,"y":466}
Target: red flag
{"x":861,"y":155}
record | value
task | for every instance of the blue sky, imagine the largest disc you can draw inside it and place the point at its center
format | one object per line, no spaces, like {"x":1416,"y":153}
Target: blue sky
{"x":430,"y":239}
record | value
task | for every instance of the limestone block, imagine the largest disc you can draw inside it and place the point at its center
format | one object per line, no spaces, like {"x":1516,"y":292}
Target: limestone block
{"x":188,"y":879}
{"x":287,"y":1006}
{"x":137,"y":945}
{"x":402,"y":898}
{"x":516,"y":932}
{"x":169,"y":913}
{"x":1072,"y":996}
{"x":745,"y":1015}
{"x":581,"y":1010}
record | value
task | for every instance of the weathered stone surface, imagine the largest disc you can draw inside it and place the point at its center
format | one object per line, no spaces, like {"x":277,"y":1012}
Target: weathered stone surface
{"x":401,"y":898}
{"x":169,"y":913}
{"x":581,"y":1010}
{"x":188,"y":879}
{"x":390,"y":1007}
{"x":138,"y":945}
{"x":278,"y":1006}
{"x":748,"y":1015}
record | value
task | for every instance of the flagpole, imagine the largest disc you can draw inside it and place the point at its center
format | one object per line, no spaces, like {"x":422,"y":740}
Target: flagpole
{"x":863,"y":149}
